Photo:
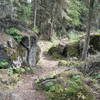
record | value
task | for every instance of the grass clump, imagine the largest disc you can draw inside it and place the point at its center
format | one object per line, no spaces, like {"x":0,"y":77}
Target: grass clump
{"x":70,"y":63}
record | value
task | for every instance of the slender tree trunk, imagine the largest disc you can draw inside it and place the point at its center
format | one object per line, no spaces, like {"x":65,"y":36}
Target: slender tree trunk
{"x":52,"y":21}
{"x":87,"y":38}
{"x":34,"y":7}
{"x":35,"y":14}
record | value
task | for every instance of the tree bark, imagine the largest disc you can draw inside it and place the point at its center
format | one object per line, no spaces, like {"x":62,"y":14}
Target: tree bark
{"x":35,"y":8}
{"x":87,"y":38}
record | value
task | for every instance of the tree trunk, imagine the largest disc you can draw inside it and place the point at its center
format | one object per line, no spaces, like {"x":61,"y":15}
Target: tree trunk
{"x":35,"y":14}
{"x":34,"y":7}
{"x":87,"y":38}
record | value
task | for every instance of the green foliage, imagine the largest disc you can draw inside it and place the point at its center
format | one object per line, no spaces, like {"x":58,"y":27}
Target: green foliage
{"x":75,"y":77}
{"x":75,"y":88}
{"x":12,"y":70}
{"x":49,"y":86}
{"x":23,"y":10}
{"x":74,"y":12}
{"x":98,"y":30}
{"x":19,"y":70}
{"x":74,"y":35}
{"x":96,"y":75}
{"x":15,"y":33}
{"x":4,"y":64}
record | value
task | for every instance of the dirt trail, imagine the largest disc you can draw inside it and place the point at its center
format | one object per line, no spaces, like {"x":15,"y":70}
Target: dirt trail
{"x":25,"y":89}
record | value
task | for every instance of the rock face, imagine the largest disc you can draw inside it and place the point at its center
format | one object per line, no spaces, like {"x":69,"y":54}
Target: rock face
{"x":19,"y":54}
{"x":74,"y":49}
{"x":33,"y":50}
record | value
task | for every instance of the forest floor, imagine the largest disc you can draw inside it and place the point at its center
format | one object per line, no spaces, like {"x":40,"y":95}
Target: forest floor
{"x":25,"y":88}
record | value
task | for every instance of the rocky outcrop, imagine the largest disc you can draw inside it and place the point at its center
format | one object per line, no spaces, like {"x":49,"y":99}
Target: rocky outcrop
{"x":74,"y":49}
{"x":33,"y":50}
{"x":19,"y":54}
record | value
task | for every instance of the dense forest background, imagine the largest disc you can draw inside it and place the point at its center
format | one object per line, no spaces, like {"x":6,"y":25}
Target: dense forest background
{"x":50,"y":17}
{"x":49,"y":49}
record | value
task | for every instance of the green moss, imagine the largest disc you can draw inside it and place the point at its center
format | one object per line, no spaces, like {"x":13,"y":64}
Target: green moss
{"x":54,"y":53}
{"x":53,"y":50}
{"x":71,"y":49}
{"x":69,"y":63}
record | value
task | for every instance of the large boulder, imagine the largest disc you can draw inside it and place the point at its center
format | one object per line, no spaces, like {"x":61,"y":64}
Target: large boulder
{"x":74,"y":49}
{"x":18,"y":54}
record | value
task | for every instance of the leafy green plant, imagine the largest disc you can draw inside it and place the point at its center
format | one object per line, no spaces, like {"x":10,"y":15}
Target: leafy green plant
{"x":75,"y":77}
{"x":14,"y":32}
{"x":4,"y":63}
{"x":96,"y":75}
{"x":12,"y":70}
{"x":19,"y":70}
{"x":75,"y":89}
{"x":48,"y":85}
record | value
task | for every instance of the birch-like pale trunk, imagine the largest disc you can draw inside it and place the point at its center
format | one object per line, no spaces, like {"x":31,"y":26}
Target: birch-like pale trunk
{"x":87,"y":38}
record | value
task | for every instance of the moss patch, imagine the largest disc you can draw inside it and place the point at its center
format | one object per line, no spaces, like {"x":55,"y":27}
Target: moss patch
{"x":54,"y":52}
{"x":72,"y":50}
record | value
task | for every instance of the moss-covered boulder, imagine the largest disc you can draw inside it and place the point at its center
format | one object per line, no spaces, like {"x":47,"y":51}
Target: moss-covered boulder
{"x":71,"y":50}
{"x":74,"y":49}
{"x":18,"y":54}
{"x":65,"y":51}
